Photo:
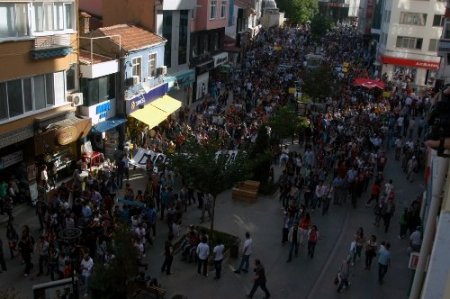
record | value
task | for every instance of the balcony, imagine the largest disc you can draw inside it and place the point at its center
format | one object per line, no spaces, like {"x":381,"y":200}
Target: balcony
{"x":54,"y":46}
{"x":94,"y":65}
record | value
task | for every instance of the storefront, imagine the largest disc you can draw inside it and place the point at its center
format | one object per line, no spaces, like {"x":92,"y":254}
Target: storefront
{"x":58,"y":144}
{"x":180,"y":85}
{"x":418,"y":72}
{"x":149,"y":109}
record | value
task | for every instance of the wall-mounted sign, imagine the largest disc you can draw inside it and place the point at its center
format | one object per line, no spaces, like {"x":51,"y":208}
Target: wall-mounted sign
{"x":102,"y":109}
{"x":204,"y":67}
{"x":220,"y":59}
{"x":410,"y":62}
{"x":67,"y":135}
{"x":11,"y":159}
{"x":144,"y":99}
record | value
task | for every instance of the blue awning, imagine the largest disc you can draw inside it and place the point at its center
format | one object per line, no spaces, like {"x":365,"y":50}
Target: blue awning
{"x":108,"y":124}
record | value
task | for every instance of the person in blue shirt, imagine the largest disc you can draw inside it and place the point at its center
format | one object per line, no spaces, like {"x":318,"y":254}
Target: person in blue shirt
{"x":384,"y":260}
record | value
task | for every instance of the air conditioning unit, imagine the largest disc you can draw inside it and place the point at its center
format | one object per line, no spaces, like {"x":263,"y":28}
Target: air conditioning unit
{"x":136,"y":80}
{"x":162,"y":71}
{"x":76,"y":99}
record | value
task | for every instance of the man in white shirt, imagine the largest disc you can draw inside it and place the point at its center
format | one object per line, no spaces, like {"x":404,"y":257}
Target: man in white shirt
{"x":246,"y":252}
{"x":87,"y":264}
{"x":203,"y":254}
{"x":218,"y":258}
{"x":415,"y":240}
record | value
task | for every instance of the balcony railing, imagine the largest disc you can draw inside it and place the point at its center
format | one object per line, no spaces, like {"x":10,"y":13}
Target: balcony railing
{"x":53,"y":46}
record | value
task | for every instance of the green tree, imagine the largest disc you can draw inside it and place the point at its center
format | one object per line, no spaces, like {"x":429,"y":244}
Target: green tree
{"x":320,"y":25}
{"x":111,"y":280}
{"x":284,"y":122}
{"x":201,"y":168}
{"x":298,"y":11}
{"x":319,"y":83}
{"x":261,"y":156}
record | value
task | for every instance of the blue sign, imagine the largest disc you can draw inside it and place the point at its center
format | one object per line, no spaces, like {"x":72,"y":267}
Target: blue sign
{"x":102,"y":109}
{"x":142,"y":100}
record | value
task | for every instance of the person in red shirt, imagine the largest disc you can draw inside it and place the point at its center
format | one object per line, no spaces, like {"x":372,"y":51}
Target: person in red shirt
{"x":374,"y":192}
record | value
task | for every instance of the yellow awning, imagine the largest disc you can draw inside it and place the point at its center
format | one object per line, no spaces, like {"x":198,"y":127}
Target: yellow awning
{"x":167,"y":104}
{"x":150,"y":115}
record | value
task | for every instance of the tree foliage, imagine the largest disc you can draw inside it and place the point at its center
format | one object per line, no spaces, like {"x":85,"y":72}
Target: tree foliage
{"x":319,"y":83}
{"x":261,"y":156}
{"x":201,"y":168}
{"x":110,"y":281}
{"x":284,"y":122}
{"x":320,"y":25}
{"x":298,"y":11}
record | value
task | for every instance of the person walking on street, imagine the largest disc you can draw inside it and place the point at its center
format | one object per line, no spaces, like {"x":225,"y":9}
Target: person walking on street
{"x":293,"y":238}
{"x":25,"y":245}
{"x":260,"y":280}
{"x":203,"y":254}
{"x":344,"y":274}
{"x":41,"y":249}
{"x":246,"y":252}
{"x":371,"y":247}
{"x":168,"y":255}
{"x":12,"y":237}
{"x":218,"y":258}
{"x":86,"y":265}
{"x":313,"y":236}
{"x":384,"y":260}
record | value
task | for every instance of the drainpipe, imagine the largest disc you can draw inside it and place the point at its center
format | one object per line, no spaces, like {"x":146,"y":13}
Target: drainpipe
{"x":439,"y":168}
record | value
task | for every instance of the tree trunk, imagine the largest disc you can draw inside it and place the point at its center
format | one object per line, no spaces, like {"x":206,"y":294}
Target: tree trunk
{"x":213,"y":209}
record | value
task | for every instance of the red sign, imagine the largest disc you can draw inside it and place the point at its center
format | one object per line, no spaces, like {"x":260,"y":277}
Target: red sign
{"x":413,"y":260}
{"x":410,"y":62}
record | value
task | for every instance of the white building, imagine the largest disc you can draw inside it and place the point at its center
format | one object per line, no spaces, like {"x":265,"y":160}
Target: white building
{"x":410,"y":31}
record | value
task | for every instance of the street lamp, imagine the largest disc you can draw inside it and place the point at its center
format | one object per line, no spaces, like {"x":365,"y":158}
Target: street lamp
{"x":70,"y":237}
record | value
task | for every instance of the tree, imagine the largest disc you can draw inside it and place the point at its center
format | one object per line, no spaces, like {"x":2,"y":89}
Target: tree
{"x":261,"y":156}
{"x":319,"y":83}
{"x":201,"y":168}
{"x":284,"y":122}
{"x":111,"y":280}
{"x":298,"y":11}
{"x":320,"y":25}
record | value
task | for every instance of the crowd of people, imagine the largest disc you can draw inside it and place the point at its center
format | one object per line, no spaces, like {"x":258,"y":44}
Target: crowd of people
{"x":339,"y":160}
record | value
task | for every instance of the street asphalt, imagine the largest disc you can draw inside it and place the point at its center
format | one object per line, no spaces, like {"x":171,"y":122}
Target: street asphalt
{"x":302,"y":278}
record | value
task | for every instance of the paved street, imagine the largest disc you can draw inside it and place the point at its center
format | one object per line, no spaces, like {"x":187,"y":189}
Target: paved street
{"x":302,"y":278}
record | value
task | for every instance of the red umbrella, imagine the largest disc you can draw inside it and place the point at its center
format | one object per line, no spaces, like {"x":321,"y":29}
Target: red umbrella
{"x":369,"y":83}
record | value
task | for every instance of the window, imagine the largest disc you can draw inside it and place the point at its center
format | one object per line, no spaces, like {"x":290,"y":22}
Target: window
{"x":432,"y":47}
{"x":409,"y":42}
{"x":70,"y":77}
{"x":97,"y":90}
{"x":39,"y":92}
{"x":27,"y":94}
{"x":183,"y":37}
{"x":212,"y":14}
{"x":152,"y":65}
{"x":49,"y":90}
{"x":3,"y":102}
{"x":411,"y":18}
{"x":167,"y":34}
{"x":49,"y":16}
{"x":223,"y":9}
{"x":136,"y":64}
{"x":438,"y":21}
{"x":213,"y":41}
{"x":15,"y":102}
{"x":13,"y":20}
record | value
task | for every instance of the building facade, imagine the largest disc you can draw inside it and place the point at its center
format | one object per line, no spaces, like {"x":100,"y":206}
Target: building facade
{"x":409,"y":35}
{"x":39,"y":57}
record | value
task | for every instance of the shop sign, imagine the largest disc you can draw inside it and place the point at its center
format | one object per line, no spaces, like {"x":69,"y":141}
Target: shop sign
{"x":11,"y":159}
{"x":67,"y":135}
{"x":102,"y":109}
{"x":413,"y":260}
{"x":186,"y":79}
{"x":220,"y":59}
{"x":410,"y":62}
{"x":16,"y":136}
{"x":144,"y":99}
{"x":205,"y":67}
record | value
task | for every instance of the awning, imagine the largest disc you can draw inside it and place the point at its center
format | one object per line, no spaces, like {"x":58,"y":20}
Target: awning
{"x":157,"y":111}
{"x":108,"y":124}
{"x":167,"y":104}
{"x":150,"y":115}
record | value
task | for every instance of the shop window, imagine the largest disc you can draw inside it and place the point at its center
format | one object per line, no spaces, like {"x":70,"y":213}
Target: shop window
{"x":98,"y":90}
